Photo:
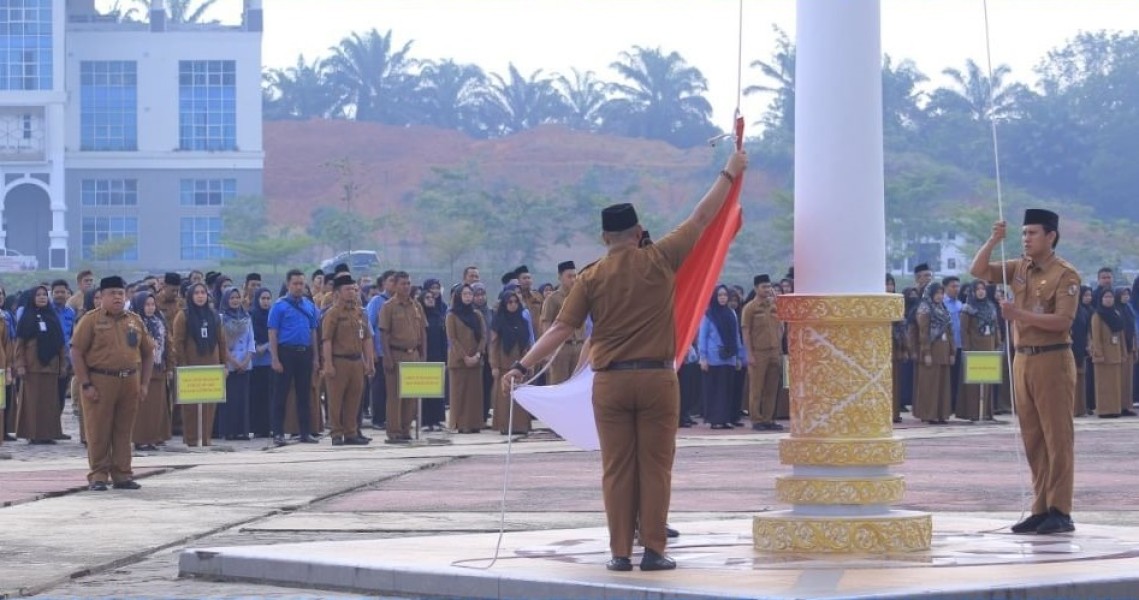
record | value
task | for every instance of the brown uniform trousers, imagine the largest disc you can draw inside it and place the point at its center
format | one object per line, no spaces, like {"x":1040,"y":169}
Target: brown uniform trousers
{"x":932,"y":400}
{"x":976,"y":401}
{"x":104,"y":342}
{"x":1109,"y":362}
{"x":636,"y":410}
{"x":346,"y":329}
{"x":152,"y":423}
{"x":1045,"y":382}
{"x":404,"y":328}
{"x":186,"y":354}
{"x":564,"y":364}
{"x":38,"y":413}
{"x":522,"y":420}
{"x":763,"y":333}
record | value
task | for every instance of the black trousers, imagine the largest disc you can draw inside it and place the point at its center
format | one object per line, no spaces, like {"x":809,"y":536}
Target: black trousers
{"x":690,"y":382}
{"x":379,"y":396}
{"x":298,"y":368}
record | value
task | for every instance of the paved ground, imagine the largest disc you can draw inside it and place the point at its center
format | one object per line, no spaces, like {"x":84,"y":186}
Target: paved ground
{"x":124,"y":544}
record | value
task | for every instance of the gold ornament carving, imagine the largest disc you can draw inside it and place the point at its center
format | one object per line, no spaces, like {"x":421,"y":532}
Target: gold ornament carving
{"x":782,"y":532}
{"x":841,"y":452}
{"x":841,"y":380}
{"x":836,"y":490}
{"x":862,"y":308}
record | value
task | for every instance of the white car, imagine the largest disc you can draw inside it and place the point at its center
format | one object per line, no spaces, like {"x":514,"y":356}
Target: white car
{"x":12,"y":261}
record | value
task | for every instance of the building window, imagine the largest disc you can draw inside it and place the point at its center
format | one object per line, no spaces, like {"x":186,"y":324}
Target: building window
{"x":109,"y":192}
{"x":106,"y":230}
{"x":108,"y":105}
{"x":25,"y":45}
{"x":208,"y":192}
{"x":951,"y":264}
{"x":207,"y":105}
{"x":201,"y":239}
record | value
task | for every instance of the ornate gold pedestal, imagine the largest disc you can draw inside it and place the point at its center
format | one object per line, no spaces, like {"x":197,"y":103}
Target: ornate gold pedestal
{"x":841,"y":442}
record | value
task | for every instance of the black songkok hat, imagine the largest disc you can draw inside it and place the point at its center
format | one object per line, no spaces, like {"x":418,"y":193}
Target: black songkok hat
{"x":922,"y":267}
{"x":212,"y":277}
{"x":342,"y":279}
{"x":566,"y":266}
{"x":114,"y":282}
{"x":618,"y":217}
{"x":508,"y":277}
{"x":252,"y":277}
{"x":172,"y":279}
{"x":340,"y":268}
{"x":521,"y":270}
{"x":1039,"y":216}
{"x":761,"y":279}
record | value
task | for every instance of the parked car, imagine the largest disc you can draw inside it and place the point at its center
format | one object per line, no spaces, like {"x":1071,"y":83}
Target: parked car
{"x":12,"y":261}
{"x":358,"y":261}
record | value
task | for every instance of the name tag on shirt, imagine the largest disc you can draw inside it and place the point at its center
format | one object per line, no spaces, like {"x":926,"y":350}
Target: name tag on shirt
{"x":205,"y":333}
{"x":986,"y":331}
{"x":945,"y":337}
{"x":43,"y":327}
{"x":1115,"y":339}
{"x":361,"y":330}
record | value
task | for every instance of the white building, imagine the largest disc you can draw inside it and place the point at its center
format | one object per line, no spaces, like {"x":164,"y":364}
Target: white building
{"x":945,"y":254}
{"x":124,"y":130}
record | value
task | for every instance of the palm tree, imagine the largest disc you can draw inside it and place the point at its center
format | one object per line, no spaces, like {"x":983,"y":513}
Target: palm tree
{"x":451,"y":95}
{"x":519,"y":103}
{"x":780,"y":75}
{"x":181,"y":11}
{"x":585,"y":98}
{"x":663,"y":99}
{"x":300,"y":92}
{"x":373,"y":79}
{"x":970,"y":93}
{"x":901,"y":98}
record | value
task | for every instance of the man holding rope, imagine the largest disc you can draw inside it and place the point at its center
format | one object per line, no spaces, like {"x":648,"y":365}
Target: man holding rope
{"x":1045,"y":293}
{"x":629,"y":294}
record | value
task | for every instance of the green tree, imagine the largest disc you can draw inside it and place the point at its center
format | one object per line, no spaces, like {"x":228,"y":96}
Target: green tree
{"x":661,"y":98}
{"x":373,"y":77}
{"x":113,"y":250}
{"x":585,"y":99}
{"x":301,"y":92}
{"x":244,"y":217}
{"x":902,"y":115}
{"x":333,"y":227}
{"x":181,"y":11}
{"x":518,"y":102}
{"x":451,"y":96}
{"x":276,"y":250}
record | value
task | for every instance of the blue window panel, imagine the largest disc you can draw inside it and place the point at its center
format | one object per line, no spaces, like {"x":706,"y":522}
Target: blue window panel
{"x":109,"y":106}
{"x":26,"y":38}
{"x":206,"y":116}
{"x":96,"y":230}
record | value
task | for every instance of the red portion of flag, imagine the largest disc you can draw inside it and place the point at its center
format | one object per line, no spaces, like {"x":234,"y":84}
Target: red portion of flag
{"x":701,"y":270}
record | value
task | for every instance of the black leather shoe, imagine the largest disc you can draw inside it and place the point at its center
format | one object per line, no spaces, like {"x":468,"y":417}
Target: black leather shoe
{"x":1057,"y":522}
{"x":1030,"y":524}
{"x":672,"y":533}
{"x":357,"y":441}
{"x":127,"y":485}
{"x":280,"y":441}
{"x":337,"y":441}
{"x":619,"y":563}
{"x":308,"y":439}
{"x":98,"y":486}
{"x":651,"y":561}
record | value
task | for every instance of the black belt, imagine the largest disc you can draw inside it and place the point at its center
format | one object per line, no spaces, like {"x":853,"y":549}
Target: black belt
{"x":293,"y":347}
{"x":575,"y":342}
{"x":348,"y":356}
{"x":408,"y":350}
{"x":1033,"y":350}
{"x":637,"y":365}
{"x":120,"y":374}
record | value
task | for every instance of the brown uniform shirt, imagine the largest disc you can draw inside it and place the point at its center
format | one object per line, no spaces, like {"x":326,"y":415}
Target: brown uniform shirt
{"x":1053,"y":288}
{"x":169,"y":305}
{"x":1104,"y":345}
{"x":533,"y":302}
{"x":462,"y":342}
{"x":762,"y":329}
{"x":347,"y":329}
{"x":404,"y":326}
{"x":630,"y":294}
{"x":550,"y":309}
{"x":111,"y":342}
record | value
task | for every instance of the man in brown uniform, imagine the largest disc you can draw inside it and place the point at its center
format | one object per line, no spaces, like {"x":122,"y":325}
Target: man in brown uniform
{"x":111,"y":352}
{"x":1045,"y":293}
{"x":629,"y":294}
{"x":169,"y":298}
{"x":404,"y":339}
{"x":763,"y":336}
{"x":565,"y":361}
{"x":347,"y":348}
{"x":531,"y":299}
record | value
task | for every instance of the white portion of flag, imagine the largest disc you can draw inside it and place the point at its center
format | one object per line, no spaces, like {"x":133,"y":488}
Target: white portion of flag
{"x":567,"y":408}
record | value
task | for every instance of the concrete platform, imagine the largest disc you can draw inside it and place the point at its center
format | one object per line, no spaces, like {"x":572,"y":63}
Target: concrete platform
{"x":970,"y":559}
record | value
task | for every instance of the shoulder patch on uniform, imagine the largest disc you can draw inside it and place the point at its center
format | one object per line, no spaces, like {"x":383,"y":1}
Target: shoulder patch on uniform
{"x":1073,"y":289}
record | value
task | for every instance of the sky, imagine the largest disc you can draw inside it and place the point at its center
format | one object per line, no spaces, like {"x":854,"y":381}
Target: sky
{"x":555,"y":35}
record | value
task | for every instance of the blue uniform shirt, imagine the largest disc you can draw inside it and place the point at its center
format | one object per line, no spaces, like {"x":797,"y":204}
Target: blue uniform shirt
{"x":373,"y":310}
{"x":954,"y":305}
{"x":294,"y":321}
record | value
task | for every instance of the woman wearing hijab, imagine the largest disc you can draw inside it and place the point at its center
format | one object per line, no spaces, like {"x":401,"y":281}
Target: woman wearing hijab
{"x":467,"y":339}
{"x":1081,"y":330}
{"x":434,"y":409}
{"x":483,"y":308}
{"x":722,"y":354}
{"x":39,"y":362}
{"x":261,"y":378}
{"x":936,"y":354}
{"x":198,"y":340}
{"x":152,"y":421}
{"x":435,"y":287}
{"x":1107,"y":351}
{"x":900,"y":342}
{"x":978,"y":334}
{"x":1123,"y":304}
{"x":233,"y":416}
{"x":509,"y":342}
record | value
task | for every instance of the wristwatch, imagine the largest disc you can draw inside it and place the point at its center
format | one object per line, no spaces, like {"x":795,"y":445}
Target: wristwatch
{"x":518,"y":366}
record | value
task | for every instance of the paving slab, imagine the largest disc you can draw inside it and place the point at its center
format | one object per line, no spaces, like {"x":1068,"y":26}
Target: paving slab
{"x":716,"y":560}
{"x":19,"y":487}
{"x":313,"y":520}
